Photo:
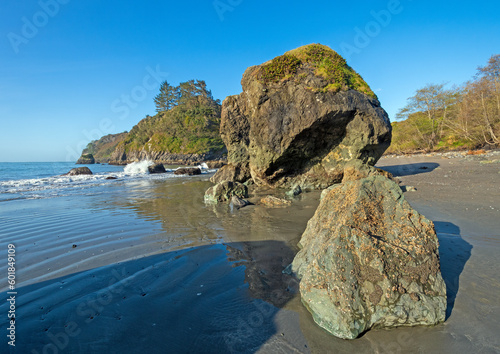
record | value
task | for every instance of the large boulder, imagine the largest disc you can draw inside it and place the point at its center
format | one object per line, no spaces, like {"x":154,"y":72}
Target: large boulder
{"x":190,"y":171}
{"x":368,"y":259}
{"x":78,"y":171}
{"x":86,"y":159}
{"x":300,"y":119}
{"x":156,"y":168}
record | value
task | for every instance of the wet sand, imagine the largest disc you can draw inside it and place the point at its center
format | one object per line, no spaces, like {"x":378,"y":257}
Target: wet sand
{"x":155,"y":270}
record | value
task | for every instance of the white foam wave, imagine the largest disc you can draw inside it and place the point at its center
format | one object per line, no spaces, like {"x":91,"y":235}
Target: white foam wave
{"x":138,"y":168}
{"x":203,"y":166}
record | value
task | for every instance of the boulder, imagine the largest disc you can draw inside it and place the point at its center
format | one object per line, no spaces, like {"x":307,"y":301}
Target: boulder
{"x":86,"y":159}
{"x":156,"y":168}
{"x":368,"y":259}
{"x":191,"y":171}
{"x":78,"y":171}
{"x":238,"y":202}
{"x":301,"y":118}
{"x":230,"y":173}
{"x":273,"y":202}
{"x":224,"y":191}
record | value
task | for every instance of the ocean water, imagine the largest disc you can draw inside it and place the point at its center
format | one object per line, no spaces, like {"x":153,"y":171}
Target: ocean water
{"x":40,"y":180}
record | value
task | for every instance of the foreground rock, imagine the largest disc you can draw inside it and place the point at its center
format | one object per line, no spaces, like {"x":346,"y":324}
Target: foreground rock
{"x":79,"y":171}
{"x":224,"y":191}
{"x":86,"y":159}
{"x":369,"y":260}
{"x":300,"y":119}
{"x":190,"y":171}
{"x":156,"y":168}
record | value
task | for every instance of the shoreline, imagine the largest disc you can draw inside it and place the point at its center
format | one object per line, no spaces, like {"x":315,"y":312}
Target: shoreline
{"x":155,"y":243}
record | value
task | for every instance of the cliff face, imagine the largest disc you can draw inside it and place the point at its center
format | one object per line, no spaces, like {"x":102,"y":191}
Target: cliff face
{"x":102,"y":149}
{"x":185,"y":134}
{"x":301,"y":119}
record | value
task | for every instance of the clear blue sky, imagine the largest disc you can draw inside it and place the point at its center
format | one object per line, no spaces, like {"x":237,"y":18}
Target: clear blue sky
{"x":72,"y":70}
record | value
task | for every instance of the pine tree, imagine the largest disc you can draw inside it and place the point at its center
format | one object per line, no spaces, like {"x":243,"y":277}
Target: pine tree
{"x":167,"y":98}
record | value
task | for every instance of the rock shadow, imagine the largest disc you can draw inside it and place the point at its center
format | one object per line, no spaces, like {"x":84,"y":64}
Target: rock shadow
{"x":410,"y":169}
{"x":454,"y":252}
{"x":220,"y":298}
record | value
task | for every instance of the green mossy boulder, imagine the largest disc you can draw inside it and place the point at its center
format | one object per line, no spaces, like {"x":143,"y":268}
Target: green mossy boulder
{"x":224,"y":191}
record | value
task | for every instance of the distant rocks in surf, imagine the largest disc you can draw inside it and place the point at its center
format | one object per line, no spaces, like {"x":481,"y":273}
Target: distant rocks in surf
{"x":78,"y":171}
{"x":156,"y":168}
{"x":190,"y":171}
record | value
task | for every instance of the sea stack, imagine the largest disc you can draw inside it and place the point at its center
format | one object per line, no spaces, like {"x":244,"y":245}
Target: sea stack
{"x":300,"y":120}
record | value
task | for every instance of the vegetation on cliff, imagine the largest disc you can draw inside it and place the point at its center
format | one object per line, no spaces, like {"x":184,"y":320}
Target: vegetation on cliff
{"x":324,"y":62}
{"x":437,"y":118}
{"x":187,"y":122}
{"x":102,"y":149}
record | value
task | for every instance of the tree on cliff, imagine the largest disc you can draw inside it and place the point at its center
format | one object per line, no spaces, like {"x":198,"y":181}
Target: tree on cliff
{"x":167,"y":98}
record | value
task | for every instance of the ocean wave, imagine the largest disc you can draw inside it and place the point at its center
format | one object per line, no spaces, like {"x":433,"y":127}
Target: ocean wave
{"x":138,"y":168}
{"x":56,"y":186}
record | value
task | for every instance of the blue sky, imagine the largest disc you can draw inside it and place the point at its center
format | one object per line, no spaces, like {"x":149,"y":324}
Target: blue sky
{"x":72,"y":70}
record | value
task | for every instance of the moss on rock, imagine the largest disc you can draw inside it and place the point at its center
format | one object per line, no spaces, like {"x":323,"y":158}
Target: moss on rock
{"x":323,"y":62}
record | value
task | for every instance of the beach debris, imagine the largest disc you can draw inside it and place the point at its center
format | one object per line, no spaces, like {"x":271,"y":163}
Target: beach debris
{"x":224,"y":191}
{"x":156,"y":168}
{"x":190,"y":171}
{"x":78,"y":171}
{"x":299,"y":121}
{"x":368,"y":259}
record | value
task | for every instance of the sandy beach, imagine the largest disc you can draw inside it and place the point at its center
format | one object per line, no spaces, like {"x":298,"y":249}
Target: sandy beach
{"x":148,"y":267}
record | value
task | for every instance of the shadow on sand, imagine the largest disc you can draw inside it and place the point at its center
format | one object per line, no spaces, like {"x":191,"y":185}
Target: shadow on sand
{"x":454,"y":252}
{"x":204,"y":299}
{"x":410,"y":169}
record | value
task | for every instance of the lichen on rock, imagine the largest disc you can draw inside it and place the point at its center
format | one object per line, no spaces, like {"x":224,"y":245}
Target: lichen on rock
{"x":368,"y":259}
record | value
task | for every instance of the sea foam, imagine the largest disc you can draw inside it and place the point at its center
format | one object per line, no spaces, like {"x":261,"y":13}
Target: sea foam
{"x":138,"y":168}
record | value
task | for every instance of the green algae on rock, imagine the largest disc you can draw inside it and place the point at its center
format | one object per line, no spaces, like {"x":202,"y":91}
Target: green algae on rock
{"x":224,"y":191}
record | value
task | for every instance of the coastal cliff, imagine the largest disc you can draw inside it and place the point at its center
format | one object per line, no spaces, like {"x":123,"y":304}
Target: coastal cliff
{"x":184,"y":131}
